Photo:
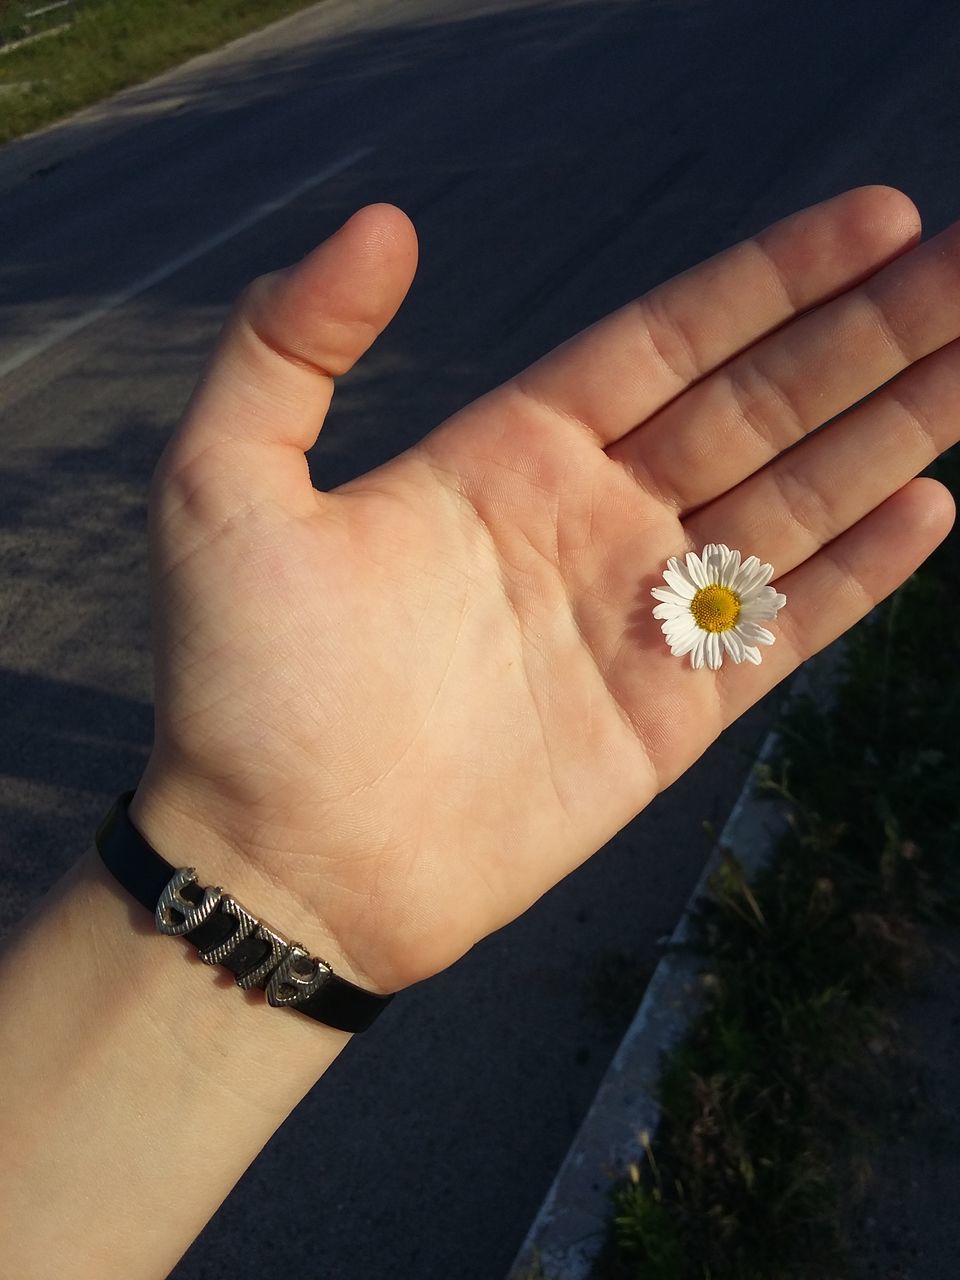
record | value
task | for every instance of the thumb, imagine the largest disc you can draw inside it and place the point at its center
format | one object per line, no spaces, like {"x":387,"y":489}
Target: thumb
{"x":270,"y":379}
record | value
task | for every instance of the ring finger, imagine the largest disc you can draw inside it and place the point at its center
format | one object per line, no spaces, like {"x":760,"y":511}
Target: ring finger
{"x":810,"y":495}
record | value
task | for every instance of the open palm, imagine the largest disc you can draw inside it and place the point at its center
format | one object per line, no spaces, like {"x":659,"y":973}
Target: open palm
{"x":407,"y":707}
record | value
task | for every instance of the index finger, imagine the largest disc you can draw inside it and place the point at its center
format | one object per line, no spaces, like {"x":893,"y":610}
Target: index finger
{"x":613,"y":376}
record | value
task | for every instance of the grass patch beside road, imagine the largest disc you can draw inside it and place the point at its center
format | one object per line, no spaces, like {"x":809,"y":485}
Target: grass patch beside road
{"x":108,"y":45}
{"x":772,"y":1106}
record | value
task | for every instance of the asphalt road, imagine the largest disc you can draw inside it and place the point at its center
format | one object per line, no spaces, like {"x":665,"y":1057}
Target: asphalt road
{"x":557,"y":160}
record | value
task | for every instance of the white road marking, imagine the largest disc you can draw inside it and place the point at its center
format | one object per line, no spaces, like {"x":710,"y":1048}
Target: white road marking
{"x":59,"y":333}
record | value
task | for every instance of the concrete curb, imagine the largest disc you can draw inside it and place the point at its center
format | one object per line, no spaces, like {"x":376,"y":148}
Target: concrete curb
{"x":571,"y":1227}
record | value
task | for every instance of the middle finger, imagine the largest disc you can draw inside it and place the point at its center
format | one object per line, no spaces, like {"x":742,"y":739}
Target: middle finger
{"x":766,"y":399}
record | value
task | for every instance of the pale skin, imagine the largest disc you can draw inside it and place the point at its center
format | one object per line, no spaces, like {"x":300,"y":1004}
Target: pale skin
{"x":392,"y":715}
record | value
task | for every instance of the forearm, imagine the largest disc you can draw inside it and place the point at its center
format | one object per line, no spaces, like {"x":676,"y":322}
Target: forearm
{"x":137,"y":1086}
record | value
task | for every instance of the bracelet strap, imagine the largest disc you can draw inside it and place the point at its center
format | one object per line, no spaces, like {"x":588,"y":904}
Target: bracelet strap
{"x":227,"y":934}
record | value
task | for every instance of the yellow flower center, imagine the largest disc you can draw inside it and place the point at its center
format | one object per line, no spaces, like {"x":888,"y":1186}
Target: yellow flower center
{"x":715,"y":608}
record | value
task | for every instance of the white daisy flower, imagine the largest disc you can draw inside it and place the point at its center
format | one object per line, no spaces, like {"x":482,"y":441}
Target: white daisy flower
{"x":713,"y":605}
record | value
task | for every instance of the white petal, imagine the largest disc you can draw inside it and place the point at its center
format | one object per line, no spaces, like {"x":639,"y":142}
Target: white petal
{"x":746,"y":569}
{"x":733,"y":644}
{"x":678,"y":626}
{"x":668,"y":596}
{"x":696,"y":570}
{"x":753,"y":633}
{"x":696,"y":656}
{"x":731,"y":568}
{"x":756,"y":611}
{"x":752,"y":654}
{"x":761,"y":577}
{"x":680,"y":583}
{"x":750,"y":577}
{"x":677,"y":635}
{"x":676,"y":565}
{"x":679,"y":647}
{"x":744,"y":587}
{"x":684,"y":637}
{"x":672,"y":616}
{"x":670,"y":611}
{"x":684,"y":644}
{"x":714,"y":557}
{"x":714,"y":651}
{"x":764,"y":602}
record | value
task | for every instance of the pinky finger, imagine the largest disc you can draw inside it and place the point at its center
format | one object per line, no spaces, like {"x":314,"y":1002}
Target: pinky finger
{"x":834,"y":589}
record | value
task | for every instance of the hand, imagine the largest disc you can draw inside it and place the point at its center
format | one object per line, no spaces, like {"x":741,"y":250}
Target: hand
{"x":412,"y":704}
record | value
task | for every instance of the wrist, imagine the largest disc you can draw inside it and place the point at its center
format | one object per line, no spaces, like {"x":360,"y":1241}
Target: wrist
{"x":189,"y":825}
{"x":194,"y":1009}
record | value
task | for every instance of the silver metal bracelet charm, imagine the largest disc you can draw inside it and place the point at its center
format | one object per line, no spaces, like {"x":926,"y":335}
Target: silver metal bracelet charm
{"x":172,"y":905}
{"x":288,"y":972}
{"x":297,"y":976}
{"x":246,"y":925}
{"x":259,"y":976}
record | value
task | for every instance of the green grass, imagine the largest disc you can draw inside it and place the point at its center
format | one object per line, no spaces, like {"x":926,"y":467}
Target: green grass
{"x":772,"y":1106}
{"x":109,"y":45}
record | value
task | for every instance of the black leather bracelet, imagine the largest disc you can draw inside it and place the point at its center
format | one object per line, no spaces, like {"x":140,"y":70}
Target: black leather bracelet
{"x":227,"y":934}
